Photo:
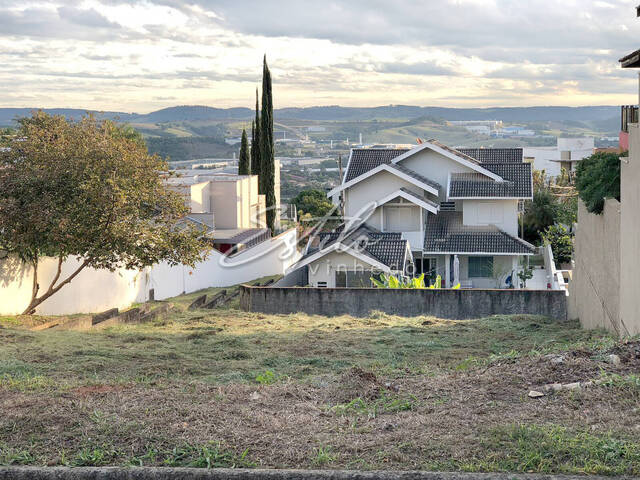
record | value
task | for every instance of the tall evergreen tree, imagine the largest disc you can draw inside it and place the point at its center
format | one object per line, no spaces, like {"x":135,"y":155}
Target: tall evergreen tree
{"x":267,"y":152}
{"x":255,"y":145}
{"x":244,"y":162}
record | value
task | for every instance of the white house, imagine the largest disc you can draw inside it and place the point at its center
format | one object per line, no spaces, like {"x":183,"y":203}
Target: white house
{"x":425,"y":209}
{"x":566,"y":154}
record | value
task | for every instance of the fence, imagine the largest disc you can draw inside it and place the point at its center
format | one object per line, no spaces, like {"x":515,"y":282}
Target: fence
{"x":98,"y":290}
{"x":444,"y":303}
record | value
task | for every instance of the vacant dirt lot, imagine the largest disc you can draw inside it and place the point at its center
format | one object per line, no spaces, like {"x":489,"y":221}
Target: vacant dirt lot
{"x":223,"y":388}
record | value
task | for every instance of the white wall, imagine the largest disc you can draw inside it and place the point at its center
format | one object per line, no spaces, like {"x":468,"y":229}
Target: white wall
{"x":272,"y":257}
{"x":91,"y":291}
{"x":402,"y":218}
{"x":630,"y":235}
{"x":373,"y":189}
{"x":543,"y":156}
{"x":501,"y":213}
{"x":98,"y":290}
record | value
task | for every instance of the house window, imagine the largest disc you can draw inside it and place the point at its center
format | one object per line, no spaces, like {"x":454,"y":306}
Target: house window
{"x":480,"y":267}
{"x":359,"y":279}
{"x":341,"y":279}
{"x":322,"y":284}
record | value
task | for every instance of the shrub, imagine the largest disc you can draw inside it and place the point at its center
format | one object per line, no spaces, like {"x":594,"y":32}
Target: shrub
{"x":561,"y":243}
{"x":597,"y":178}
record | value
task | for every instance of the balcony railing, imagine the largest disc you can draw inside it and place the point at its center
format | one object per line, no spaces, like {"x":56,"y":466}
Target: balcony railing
{"x":628,"y":114}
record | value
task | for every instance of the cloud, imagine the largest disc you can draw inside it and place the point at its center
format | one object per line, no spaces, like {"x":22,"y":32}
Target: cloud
{"x":136,"y":54}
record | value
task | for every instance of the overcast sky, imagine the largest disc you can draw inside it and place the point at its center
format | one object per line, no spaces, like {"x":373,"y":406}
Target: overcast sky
{"x":144,"y":55}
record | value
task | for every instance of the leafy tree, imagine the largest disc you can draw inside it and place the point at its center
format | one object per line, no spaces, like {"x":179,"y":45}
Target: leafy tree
{"x":314,"y":202}
{"x":597,"y":178}
{"x":90,"y":190}
{"x":526,"y":273}
{"x":561,"y":243}
{"x":267,"y":153}
{"x":244,"y":162}
{"x":256,"y":164}
{"x":539,"y":214}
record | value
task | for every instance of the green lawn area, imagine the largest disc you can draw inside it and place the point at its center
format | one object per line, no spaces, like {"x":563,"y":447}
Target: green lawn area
{"x":222,"y":387}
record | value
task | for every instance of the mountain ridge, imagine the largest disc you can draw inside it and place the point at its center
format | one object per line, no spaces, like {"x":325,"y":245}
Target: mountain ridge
{"x":190,"y":113}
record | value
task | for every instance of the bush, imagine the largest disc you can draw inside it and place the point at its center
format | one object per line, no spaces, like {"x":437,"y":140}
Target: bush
{"x":597,"y":178}
{"x":540,"y":214}
{"x":561,"y":243}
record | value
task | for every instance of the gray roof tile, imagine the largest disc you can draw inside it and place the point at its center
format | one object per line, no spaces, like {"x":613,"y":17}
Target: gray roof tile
{"x":517,"y":182}
{"x":365,"y":159}
{"x":417,"y":176}
{"x":445,"y":233}
{"x":494,"y":155}
{"x":386,"y":247}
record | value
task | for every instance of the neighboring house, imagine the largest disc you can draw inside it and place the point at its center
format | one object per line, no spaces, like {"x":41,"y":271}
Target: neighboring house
{"x":566,"y":154}
{"x":410,"y":211}
{"x":228,"y":207}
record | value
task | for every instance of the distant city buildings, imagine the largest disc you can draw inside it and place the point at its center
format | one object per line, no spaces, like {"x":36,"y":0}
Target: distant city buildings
{"x":566,"y":154}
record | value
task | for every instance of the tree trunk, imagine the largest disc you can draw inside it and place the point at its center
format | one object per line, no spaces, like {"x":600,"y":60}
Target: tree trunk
{"x":53,"y":288}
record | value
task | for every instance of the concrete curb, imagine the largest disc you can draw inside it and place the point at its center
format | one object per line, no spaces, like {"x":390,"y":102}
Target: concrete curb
{"x":146,"y":473}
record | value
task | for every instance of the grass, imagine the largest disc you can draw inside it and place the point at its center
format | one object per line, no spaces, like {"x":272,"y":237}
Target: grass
{"x":221,"y":346}
{"x":225,"y":388}
{"x":545,"y":449}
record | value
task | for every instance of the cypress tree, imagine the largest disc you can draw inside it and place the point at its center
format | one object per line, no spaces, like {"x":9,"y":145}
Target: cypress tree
{"x":267,"y":153}
{"x":255,"y":145}
{"x":244,"y":162}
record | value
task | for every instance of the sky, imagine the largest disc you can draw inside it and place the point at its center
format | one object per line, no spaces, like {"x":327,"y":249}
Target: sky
{"x":143,"y":55}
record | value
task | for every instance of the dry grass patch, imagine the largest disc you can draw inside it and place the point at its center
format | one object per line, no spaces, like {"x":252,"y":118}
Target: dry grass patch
{"x":230,"y":388}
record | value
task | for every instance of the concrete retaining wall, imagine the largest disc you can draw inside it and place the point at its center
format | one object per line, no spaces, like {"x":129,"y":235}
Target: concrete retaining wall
{"x":359,"y":302}
{"x":595,"y":284}
{"x":144,"y":473}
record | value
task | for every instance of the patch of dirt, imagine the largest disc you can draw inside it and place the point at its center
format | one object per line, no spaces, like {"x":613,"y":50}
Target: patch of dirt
{"x":97,"y":390}
{"x":282,"y":425}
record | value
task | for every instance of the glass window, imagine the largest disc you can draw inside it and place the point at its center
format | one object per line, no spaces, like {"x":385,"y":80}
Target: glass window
{"x":359,"y":279}
{"x":341,"y":279}
{"x":480,"y":267}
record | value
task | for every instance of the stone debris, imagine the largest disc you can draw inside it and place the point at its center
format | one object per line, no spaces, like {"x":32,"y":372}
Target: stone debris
{"x":255,"y":396}
{"x":614,"y":359}
{"x":535,"y":394}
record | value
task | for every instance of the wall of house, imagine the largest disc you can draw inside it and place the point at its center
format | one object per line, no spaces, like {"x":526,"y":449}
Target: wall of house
{"x":442,"y":303}
{"x":402,"y":218}
{"x":435,"y":167}
{"x":630,"y":235}
{"x":325,"y":268}
{"x":98,"y":290}
{"x":501,"y":213}
{"x":372,"y":189}
{"x":226,"y":203}
{"x":200,"y":198}
{"x":595,"y":285}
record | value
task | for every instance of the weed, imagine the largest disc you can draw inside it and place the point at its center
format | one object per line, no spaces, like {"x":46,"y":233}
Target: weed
{"x":629,"y":382}
{"x":323,"y":456}
{"x":387,"y":403}
{"x":547,"y":449}
{"x":266,"y":378}
{"x":94,"y":457}
{"x":10,"y":456}
{"x":210,"y":455}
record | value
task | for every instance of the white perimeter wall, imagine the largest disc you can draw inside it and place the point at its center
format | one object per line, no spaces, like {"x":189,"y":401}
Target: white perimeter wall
{"x":98,"y":290}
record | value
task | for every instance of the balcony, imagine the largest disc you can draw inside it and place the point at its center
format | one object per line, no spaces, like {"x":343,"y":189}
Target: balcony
{"x":628,"y":114}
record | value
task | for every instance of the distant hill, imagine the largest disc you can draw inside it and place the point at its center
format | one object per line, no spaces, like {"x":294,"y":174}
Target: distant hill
{"x":8,"y":115}
{"x":337,"y":113}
